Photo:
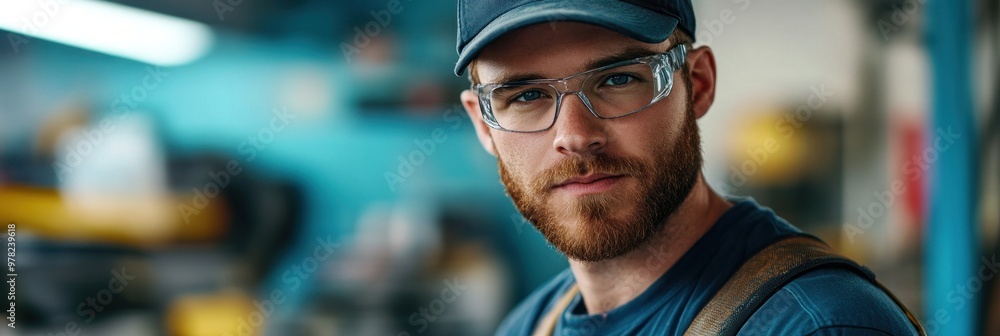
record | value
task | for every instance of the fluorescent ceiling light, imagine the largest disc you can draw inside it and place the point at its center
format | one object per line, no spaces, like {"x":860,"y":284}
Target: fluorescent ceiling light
{"x":107,"y":28}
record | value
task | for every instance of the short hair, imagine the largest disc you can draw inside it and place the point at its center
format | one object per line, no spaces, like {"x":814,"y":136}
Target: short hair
{"x":675,"y":38}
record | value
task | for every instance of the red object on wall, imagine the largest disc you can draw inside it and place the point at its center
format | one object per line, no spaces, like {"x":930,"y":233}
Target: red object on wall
{"x":914,"y":143}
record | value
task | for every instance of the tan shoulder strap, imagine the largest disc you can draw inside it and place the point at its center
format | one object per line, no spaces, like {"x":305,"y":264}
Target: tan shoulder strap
{"x":763,"y":275}
{"x":547,"y":325}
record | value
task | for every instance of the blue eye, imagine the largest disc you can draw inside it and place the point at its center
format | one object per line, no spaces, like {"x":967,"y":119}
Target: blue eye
{"x":528,"y":96}
{"x":618,"y":80}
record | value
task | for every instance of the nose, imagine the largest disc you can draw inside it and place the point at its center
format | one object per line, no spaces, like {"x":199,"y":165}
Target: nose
{"x":578,"y":130}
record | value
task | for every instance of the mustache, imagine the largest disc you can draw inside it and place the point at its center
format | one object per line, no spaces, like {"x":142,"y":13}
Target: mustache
{"x":584,"y":165}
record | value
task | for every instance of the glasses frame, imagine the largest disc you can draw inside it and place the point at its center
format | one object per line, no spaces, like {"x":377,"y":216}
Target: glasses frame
{"x":663,"y":66}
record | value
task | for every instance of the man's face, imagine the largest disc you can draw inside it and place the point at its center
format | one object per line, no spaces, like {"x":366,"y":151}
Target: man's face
{"x":595,"y":188}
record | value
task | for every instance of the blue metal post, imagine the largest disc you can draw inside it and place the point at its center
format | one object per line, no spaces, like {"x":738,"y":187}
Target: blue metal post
{"x":951,"y":244}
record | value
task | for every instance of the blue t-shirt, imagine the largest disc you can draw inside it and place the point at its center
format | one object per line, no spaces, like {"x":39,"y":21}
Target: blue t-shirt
{"x":820,"y":302}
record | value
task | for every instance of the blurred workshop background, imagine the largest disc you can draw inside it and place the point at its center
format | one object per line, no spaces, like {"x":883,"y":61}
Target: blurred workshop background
{"x":303,"y":167}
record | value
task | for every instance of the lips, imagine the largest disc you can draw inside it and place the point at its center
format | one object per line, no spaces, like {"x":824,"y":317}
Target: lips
{"x":587,"y":179}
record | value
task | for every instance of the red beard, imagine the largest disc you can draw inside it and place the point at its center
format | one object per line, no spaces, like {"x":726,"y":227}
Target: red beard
{"x":604,"y":227}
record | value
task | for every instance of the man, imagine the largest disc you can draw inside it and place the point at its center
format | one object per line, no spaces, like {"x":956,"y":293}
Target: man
{"x":590,"y":108}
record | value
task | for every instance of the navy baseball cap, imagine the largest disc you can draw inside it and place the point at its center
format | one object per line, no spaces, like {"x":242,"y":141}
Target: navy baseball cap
{"x":651,"y":21}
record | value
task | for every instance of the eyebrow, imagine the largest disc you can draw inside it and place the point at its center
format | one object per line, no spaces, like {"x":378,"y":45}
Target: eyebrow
{"x":627,"y":54}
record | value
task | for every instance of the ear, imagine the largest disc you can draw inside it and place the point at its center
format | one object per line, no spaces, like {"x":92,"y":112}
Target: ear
{"x":702,"y":70}
{"x":471,"y":102}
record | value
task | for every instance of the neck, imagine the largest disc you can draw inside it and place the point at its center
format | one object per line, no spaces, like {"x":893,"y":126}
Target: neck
{"x":608,"y":284}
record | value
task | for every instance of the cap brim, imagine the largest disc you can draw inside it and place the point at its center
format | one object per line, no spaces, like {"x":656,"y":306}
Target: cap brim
{"x":631,"y":20}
